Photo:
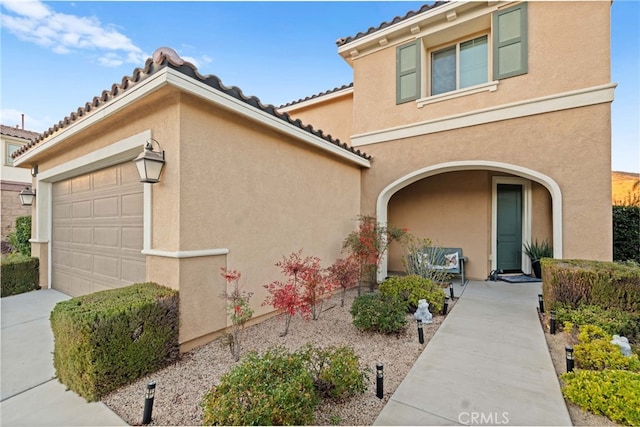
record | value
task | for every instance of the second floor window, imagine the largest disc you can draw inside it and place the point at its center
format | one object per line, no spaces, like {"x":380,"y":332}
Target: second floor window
{"x":10,"y":149}
{"x":461,"y":65}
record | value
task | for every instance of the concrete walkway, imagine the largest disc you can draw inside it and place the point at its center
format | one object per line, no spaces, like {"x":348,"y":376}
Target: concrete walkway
{"x":487,"y":364}
{"x":29,"y":393}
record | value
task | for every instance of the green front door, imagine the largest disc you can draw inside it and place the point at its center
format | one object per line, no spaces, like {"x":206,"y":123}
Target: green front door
{"x":509,"y":227}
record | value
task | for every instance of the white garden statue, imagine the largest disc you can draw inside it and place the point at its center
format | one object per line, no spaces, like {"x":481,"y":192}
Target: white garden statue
{"x":422,"y":313}
{"x":623,"y":343}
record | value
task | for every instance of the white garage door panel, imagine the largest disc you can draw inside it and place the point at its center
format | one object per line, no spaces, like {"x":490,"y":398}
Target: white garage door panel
{"x":97,"y":231}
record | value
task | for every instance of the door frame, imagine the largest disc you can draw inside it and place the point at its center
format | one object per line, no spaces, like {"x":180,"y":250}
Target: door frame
{"x":526,"y":217}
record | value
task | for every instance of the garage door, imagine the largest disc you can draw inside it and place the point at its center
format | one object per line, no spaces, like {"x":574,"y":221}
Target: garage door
{"x":97,"y":231}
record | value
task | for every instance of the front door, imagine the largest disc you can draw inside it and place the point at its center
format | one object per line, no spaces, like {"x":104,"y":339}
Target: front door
{"x":509,"y":228}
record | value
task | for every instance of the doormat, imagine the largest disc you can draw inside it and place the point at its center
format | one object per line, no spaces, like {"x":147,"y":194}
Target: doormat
{"x":520,"y":278}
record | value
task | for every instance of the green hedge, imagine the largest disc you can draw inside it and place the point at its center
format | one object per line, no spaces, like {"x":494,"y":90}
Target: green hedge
{"x":578,"y":282}
{"x":19,"y":275}
{"x":626,"y":233}
{"x":375,"y":312}
{"x":19,"y":238}
{"x":108,"y":339}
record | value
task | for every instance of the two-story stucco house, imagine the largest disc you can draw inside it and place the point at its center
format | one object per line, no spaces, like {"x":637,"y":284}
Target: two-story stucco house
{"x":481,"y":125}
{"x":12,"y":179}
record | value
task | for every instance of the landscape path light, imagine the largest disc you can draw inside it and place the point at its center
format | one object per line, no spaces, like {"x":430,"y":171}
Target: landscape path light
{"x":379,"y":380}
{"x":148,"y":402}
{"x":569,"y":355}
{"x":541,"y":303}
{"x":552,"y":322}
{"x":445,"y":306}
{"x":150,"y":163}
{"x":420,"y":332}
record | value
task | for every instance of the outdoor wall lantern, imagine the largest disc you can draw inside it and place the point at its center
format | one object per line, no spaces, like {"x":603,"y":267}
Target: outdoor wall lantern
{"x":150,"y":163}
{"x":27,"y":196}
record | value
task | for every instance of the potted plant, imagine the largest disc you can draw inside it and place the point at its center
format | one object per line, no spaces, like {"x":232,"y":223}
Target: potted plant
{"x":535,"y":251}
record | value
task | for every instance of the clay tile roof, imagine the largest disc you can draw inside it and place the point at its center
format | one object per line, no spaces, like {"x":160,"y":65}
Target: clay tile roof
{"x":18,"y":132}
{"x":167,"y":57}
{"x":371,"y":30}
{"x":318,"y":95}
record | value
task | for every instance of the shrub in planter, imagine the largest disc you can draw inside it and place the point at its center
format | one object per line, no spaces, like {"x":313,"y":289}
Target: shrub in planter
{"x":612,"y":393}
{"x":273,"y":389}
{"x":413,"y":288}
{"x":336,"y":371}
{"x":379,"y":313}
{"x":107,"y":339}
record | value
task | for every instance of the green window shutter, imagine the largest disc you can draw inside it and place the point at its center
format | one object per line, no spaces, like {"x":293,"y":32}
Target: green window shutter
{"x":408,"y":72}
{"x":510,"y":42}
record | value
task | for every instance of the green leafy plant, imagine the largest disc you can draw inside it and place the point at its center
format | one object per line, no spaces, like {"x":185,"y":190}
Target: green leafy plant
{"x":273,"y":389}
{"x":626,"y":231}
{"x":19,"y":238}
{"x":379,"y":313}
{"x":368,"y":244}
{"x":19,"y":274}
{"x":336,"y":371}
{"x":238,"y":309}
{"x":536,"y":251}
{"x":612,"y":393}
{"x":411,"y":289}
{"x":595,"y":352}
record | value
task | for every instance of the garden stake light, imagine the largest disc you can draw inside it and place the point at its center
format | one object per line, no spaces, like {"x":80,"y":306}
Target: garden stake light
{"x":541,"y":303}
{"x":552,"y":323}
{"x":451,"y":290}
{"x":445,"y":306}
{"x":379,"y":380}
{"x":569,"y":355}
{"x":148,"y":402}
{"x":420,"y":332}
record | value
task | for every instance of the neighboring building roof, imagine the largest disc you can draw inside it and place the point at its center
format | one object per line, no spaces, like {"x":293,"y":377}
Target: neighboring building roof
{"x":318,"y":95}
{"x":371,"y":30}
{"x":18,"y":132}
{"x":166,"y":57}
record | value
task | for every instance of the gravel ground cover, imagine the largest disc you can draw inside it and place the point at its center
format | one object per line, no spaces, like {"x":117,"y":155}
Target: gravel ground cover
{"x":181,"y":386}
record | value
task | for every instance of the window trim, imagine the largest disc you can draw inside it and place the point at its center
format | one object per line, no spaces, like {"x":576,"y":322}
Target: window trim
{"x":457,"y":43}
{"x":491,"y":86}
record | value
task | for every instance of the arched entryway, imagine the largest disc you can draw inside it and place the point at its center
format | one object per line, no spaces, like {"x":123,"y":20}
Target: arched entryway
{"x":514,"y":175}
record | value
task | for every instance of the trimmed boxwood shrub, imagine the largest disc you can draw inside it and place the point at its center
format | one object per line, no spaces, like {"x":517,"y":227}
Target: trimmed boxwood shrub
{"x":108,"y":339}
{"x":573,"y":283}
{"x":375,"y":312}
{"x":273,"y":389}
{"x":413,"y":288}
{"x":19,"y":274}
{"x":611,"y":393}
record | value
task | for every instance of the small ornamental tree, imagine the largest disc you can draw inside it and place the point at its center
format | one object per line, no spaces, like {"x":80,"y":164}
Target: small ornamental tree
{"x":238,"y":309}
{"x":344,"y":273}
{"x":369,"y":243}
{"x":304,"y":288}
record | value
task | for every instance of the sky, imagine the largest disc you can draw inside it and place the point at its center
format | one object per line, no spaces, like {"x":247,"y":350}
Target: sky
{"x":55,"y":56}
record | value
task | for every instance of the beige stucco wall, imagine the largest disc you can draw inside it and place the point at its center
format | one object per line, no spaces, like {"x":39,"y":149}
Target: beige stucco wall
{"x":569,"y":147}
{"x":259,"y":194}
{"x":334,"y":115}
{"x":564,"y":54}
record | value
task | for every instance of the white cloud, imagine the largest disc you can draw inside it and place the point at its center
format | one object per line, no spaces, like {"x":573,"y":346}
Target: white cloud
{"x":36,"y":22}
{"x":11,"y":117}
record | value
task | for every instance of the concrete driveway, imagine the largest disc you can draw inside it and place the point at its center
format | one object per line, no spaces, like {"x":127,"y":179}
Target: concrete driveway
{"x":29,"y":393}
